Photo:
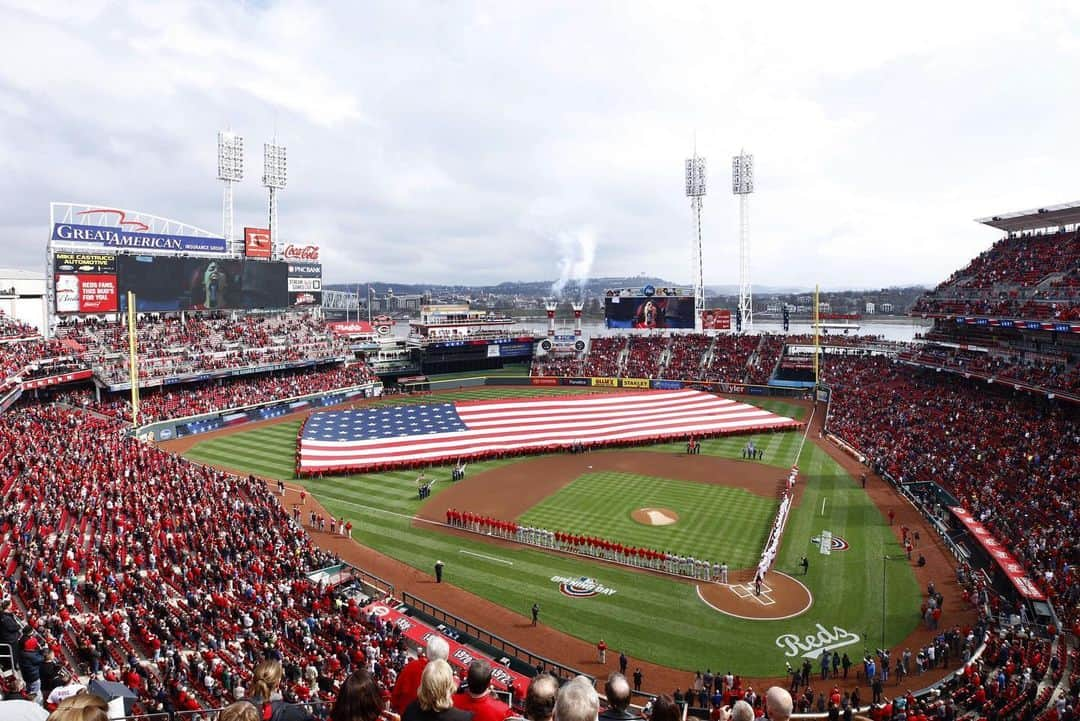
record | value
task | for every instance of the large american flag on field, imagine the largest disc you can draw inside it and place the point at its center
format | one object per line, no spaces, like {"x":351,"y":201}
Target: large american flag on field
{"x":428,"y":433}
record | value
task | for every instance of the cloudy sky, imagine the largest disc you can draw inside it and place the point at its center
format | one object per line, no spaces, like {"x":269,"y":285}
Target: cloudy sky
{"x":486,"y":141}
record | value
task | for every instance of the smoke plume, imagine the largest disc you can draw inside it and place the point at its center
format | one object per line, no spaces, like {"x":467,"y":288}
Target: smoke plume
{"x":577,"y":251}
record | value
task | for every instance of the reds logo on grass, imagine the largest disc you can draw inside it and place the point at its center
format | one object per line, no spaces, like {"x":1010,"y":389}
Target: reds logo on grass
{"x":581,"y":587}
{"x":838,"y":543}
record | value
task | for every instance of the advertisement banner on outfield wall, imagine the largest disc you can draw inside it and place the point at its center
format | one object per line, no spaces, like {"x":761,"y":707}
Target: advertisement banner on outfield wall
{"x":634,"y":383}
{"x":544,"y":381}
{"x":605,"y":382}
{"x":667,"y":385}
{"x":577,"y":381}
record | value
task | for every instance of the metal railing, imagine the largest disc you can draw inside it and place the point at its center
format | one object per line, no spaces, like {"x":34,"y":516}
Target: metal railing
{"x":491,"y":639}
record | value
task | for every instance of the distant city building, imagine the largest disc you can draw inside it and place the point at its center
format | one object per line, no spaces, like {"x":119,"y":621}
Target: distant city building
{"x":870,"y":306}
{"x":886,"y":307}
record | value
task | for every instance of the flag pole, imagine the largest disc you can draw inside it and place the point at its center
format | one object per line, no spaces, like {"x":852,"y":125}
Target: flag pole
{"x":133,"y":364}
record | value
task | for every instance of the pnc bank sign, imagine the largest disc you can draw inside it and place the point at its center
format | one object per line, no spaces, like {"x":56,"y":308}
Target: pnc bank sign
{"x":134,"y":238}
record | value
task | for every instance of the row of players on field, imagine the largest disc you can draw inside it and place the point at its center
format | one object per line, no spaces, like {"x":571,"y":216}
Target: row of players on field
{"x":698,"y":568}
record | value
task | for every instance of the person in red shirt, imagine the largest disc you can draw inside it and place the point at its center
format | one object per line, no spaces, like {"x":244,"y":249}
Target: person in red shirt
{"x":408,"y":681}
{"x":477,"y":697}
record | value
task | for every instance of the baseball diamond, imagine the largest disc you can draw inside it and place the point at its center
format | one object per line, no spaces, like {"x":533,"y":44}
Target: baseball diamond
{"x":723,"y":504}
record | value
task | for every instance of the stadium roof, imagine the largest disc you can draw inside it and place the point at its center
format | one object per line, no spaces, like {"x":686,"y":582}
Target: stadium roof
{"x":1050,"y":216}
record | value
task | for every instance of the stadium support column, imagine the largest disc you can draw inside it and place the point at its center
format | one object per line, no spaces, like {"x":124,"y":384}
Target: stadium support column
{"x":577,"y":306}
{"x":742,"y":185}
{"x":550,"y":307}
{"x":133,"y":359}
{"x":695,"y":190}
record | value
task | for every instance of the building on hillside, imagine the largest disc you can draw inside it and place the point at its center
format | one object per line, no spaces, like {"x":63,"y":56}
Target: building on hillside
{"x":22,"y":295}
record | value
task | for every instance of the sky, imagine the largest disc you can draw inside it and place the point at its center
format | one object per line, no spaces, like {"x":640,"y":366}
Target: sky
{"x":479,"y":142}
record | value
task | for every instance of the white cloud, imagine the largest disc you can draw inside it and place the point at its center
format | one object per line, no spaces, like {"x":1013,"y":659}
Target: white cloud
{"x":454,"y":142}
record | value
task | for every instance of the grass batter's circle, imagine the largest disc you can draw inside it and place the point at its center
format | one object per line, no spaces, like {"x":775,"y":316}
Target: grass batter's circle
{"x":655,"y":516}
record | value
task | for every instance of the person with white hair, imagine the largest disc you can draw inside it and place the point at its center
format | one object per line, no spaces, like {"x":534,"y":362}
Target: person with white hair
{"x":408,"y":681}
{"x":577,"y":701}
{"x":742,"y":711}
{"x":778,"y":704}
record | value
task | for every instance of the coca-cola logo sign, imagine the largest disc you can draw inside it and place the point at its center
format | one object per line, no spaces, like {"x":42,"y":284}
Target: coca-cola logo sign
{"x":301,"y":252}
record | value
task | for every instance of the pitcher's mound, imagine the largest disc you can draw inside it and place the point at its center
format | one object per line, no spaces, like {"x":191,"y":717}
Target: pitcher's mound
{"x":655,"y":516}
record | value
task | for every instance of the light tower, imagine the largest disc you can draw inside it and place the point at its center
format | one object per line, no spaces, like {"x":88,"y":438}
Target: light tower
{"x":275,"y":176}
{"x":742,"y":184}
{"x":695,"y":190}
{"x":230,"y":169}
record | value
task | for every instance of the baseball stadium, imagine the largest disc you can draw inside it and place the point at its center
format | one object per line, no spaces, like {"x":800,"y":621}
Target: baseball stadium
{"x":234,"y":490}
{"x":708,"y":509}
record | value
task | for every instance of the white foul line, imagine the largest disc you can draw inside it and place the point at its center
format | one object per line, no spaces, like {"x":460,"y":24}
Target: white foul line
{"x":490,"y":558}
{"x":823,"y":504}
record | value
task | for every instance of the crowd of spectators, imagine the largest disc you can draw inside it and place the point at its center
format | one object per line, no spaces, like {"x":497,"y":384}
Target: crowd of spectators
{"x":729,"y":359}
{"x":1028,"y":277}
{"x":168,"y":402}
{"x":1012,"y":459}
{"x":686,"y":355}
{"x":605,"y":356}
{"x":170,"y":345}
{"x":766,"y":356}
{"x":644,"y":356}
{"x":175,"y":579}
{"x":1053,"y":373}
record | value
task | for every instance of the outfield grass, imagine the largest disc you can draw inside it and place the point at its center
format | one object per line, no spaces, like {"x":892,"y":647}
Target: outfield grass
{"x":718,"y":523}
{"x":649,"y":617}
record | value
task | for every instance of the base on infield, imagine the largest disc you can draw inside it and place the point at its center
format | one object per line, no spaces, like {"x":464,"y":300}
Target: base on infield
{"x":781,"y":597}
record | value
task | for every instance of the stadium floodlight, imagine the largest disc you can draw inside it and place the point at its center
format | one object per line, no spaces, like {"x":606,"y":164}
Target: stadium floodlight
{"x":695,"y":190}
{"x":695,"y":177}
{"x":742,"y":185}
{"x":275,"y":171}
{"x":230,"y":156}
{"x":275,"y":176}
{"x":230,"y":169}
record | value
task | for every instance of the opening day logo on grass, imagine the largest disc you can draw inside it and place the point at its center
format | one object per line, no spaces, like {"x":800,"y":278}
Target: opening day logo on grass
{"x":582,"y":587}
{"x":813,"y":645}
{"x":838,"y":543}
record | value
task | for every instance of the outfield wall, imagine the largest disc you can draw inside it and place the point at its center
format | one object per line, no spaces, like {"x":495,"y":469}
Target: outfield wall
{"x":663,"y":384}
{"x":171,"y":429}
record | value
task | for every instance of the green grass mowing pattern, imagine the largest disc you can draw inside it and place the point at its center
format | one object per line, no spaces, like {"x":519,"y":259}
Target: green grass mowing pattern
{"x":648,"y":617}
{"x":718,"y":523}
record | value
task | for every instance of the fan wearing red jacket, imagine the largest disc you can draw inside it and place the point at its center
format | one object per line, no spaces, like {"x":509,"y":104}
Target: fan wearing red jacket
{"x":477,"y":697}
{"x":408,"y":681}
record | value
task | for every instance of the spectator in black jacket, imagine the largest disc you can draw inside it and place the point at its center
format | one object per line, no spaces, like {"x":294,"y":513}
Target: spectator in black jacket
{"x":617,"y":690}
{"x":30,"y":661}
{"x":10,"y":633}
{"x":52,"y":673}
